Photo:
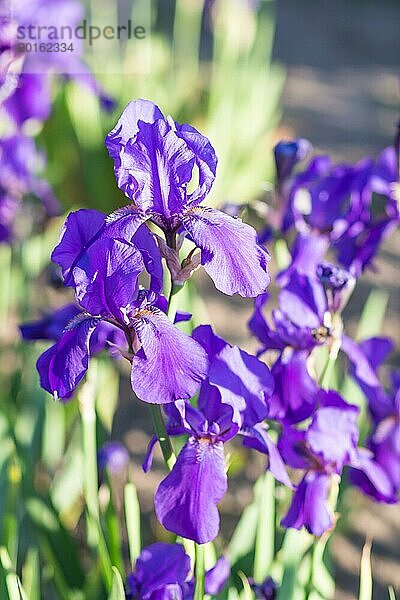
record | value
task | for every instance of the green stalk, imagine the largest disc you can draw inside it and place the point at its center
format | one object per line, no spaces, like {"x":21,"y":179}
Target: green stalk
{"x":132,"y":520}
{"x":156,"y":412}
{"x":94,"y":532}
{"x":173,"y":301}
{"x":88,"y":416}
{"x":310,"y":582}
{"x":162,"y":435}
{"x":199,"y":571}
{"x":265,"y":533}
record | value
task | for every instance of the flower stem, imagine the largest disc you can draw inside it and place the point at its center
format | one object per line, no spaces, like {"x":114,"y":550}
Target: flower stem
{"x":326,"y":376}
{"x":199,"y":572}
{"x":156,"y":412}
{"x":94,"y":532}
{"x":173,"y":301}
{"x":310,"y":582}
{"x":162,"y":435}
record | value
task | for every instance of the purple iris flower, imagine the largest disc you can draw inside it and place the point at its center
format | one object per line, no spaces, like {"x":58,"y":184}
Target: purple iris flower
{"x":232,"y":400}
{"x":113,"y":456}
{"x":162,"y":573}
{"x":20,"y":167}
{"x":84,"y":228}
{"x":266,"y":590}
{"x":322,"y":450}
{"x":9,"y":209}
{"x":52,"y":326}
{"x":308,"y":316}
{"x":384,"y":407}
{"x":167,"y":170}
{"x":287,"y":154}
{"x":8,"y":54}
{"x":105,"y":281}
{"x":334,"y":205}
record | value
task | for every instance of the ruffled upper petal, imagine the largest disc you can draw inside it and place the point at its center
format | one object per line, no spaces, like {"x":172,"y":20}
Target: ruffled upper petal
{"x":186,"y":500}
{"x":229,"y":251}
{"x":154,"y":159}
{"x":155,"y":168}
{"x":64,"y":365}
{"x":170,"y":365}
{"x":206,"y":161}
{"x":128,"y":125}
{"x":308,"y":250}
{"x":304,"y":301}
{"x":105,"y":278}
{"x":333,"y":435}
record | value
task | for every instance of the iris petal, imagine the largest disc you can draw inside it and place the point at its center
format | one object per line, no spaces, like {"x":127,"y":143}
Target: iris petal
{"x":229,"y":251}
{"x":186,"y":500}
{"x":170,"y":365}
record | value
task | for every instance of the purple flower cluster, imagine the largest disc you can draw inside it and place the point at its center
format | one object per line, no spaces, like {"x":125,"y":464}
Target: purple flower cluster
{"x":26,"y":94}
{"x":349,"y":209}
{"x":287,"y":412}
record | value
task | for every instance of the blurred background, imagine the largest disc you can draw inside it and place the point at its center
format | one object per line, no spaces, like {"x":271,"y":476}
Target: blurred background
{"x":247,"y":74}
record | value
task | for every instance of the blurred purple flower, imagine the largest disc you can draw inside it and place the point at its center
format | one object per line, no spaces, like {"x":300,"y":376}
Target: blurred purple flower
{"x":9,"y":209}
{"x":266,"y":590}
{"x":32,"y":98}
{"x":287,"y":154}
{"x":335,"y":205}
{"x":162,"y":573}
{"x":384,"y":406}
{"x":155,"y":160}
{"x":113,"y":456}
{"x":20,"y":168}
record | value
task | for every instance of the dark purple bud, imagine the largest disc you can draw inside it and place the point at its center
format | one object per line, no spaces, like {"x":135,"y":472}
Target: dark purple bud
{"x":332,"y":276}
{"x":397,"y":146}
{"x":113,"y":456}
{"x":287,"y":155}
{"x":338,"y":283}
{"x":266,"y":590}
